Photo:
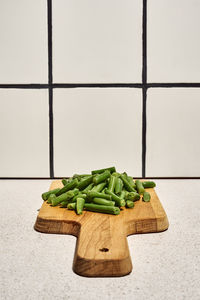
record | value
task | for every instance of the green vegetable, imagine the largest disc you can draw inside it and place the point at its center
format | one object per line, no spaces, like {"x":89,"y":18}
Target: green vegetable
{"x":80,"y":176}
{"x":76,"y":191}
{"x":130,"y":180}
{"x":101,"y":177}
{"x":118,"y":186}
{"x":64,"y":204}
{"x":139,"y":187}
{"x":111,"y":169}
{"x":79,"y":195}
{"x":118,"y":201}
{"x":85,"y":182}
{"x":71,"y":206}
{"x":88,"y":188}
{"x":63,"y":197}
{"x":92,"y":194}
{"x":132,"y":196}
{"x":116,"y":174}
{"x":102,"y":201}
{"x":148,"y":184}
{"x":146,"y":197}
{"x":64,"y":181}
{"x":102,"y":208}
{"x":129,"y":204}
{"x":122,"y":195}
{"x":51,"y":197}
{"x":127,"y":185}
{"x":112,"y":182}
{"x":69,"y":186}
{"x":79,"y":205}
{"x":99,"y":187}
{"x":46,"y":195}
{"x":104,"y":191}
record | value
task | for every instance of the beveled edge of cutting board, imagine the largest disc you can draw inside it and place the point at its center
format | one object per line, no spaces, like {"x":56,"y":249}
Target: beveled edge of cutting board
{"x":57,"y":226}
{"x":147,"y":226}
{"x":72,"y":227}
{"x":101,"y":268}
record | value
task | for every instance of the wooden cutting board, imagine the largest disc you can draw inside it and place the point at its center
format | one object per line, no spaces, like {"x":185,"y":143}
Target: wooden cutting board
{"x":102,"y":248}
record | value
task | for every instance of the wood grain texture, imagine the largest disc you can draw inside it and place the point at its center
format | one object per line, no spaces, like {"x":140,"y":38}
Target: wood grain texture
{"x":102,"y":248}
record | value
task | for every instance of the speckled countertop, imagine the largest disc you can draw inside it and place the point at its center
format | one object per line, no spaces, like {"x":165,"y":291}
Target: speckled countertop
{"x":38,"y":266}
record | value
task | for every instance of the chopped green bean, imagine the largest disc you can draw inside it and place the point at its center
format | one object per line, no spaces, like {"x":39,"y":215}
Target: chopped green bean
{"x":118,"y":201}
{"x":64,"y":204}
{"x":116,"y":174}
{"x":63,"y":197}
{"x":132,"y":196}
{"x":130,"y":180}
{"x":146,"y":197}
{"x":148,"y":184}
{"x":88,"y":188}
{"x":80,"y":176}
{"x":102,"y":201}
{"x":79,"y":205}
{"x":64,"y":181}
{"x":102,"y":208}
{"x":99,"y":187}
{"x":101,"y":177}
{"x":112,"y":182}
{"x":79,"y":195}
{"x":129,"y":204}
{"x":85,"y":182}
{"x":103,"y":191}
{"x":139,"y":187}
{"x":71,"y":206}
{"x":122,"y":195}
{"x":71,"y":185}
{"x":118,"y":186}
{"x":51,"y":197}
{"x":46,"y":195}
{"x":93,"y":194}
{"x":111,"y":169}
{"x":126,"y":183}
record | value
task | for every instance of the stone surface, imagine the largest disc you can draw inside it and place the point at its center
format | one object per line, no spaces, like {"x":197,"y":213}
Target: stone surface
{"x":38,"y":266}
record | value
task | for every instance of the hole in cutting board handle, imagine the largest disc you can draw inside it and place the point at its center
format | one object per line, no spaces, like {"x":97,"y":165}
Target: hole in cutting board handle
{"x":104,"y":249}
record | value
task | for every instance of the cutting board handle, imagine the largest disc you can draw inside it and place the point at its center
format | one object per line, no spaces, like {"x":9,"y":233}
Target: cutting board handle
{"x":102,"y":248}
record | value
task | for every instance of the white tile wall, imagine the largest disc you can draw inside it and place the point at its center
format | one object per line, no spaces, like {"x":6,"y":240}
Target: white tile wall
{"x":24,"y":133}
{"x":97,"y":41}
{"x":23,"y":41}
{"x":96,"y":128}
{"x":173,"y":124}
{"x":173,"y":41}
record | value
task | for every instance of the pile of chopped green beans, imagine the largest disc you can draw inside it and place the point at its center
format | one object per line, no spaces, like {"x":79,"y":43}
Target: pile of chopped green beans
{"x":103,"y":191}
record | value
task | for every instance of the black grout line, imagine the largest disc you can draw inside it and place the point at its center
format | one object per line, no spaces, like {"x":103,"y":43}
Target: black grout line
{"x":49,"y":16}
{"x":174,"y":85}
{"x":99,"y":85}
{"x":144,"y":81}
{"x":144,"y":43}
{"x":26,"y":178}
{"x":48,"y":178}
{"x":144,"y":126}
{"x":24,"y":86}
{"x":50,"y":78}
{"x":51,"y":148}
